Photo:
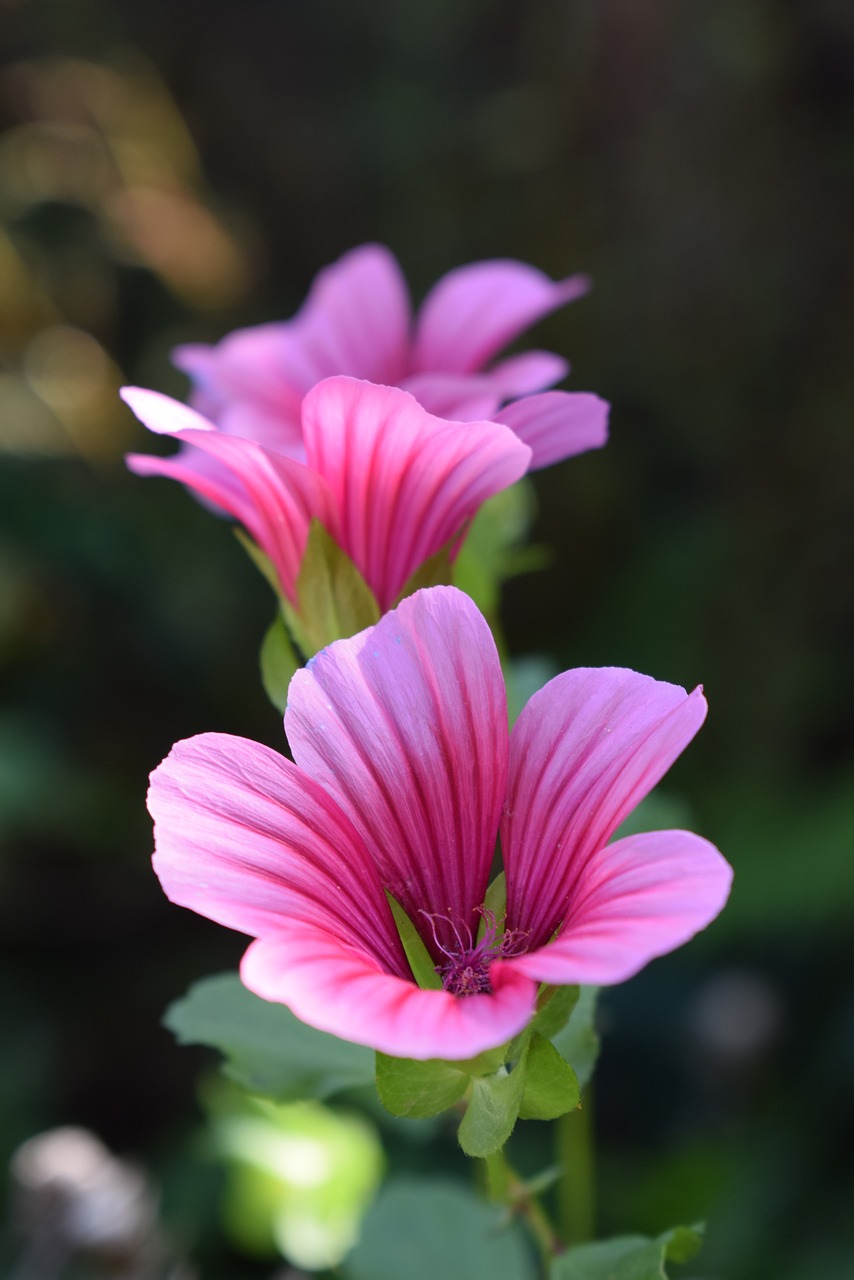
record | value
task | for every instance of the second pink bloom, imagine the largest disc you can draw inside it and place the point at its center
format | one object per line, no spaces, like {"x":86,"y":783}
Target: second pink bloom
{"x":391,"y":483}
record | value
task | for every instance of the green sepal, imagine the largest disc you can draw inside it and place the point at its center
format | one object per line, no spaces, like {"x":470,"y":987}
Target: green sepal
{"x":495,"y":902}
{"x":435,"y":572}
{"x":279,"y":661}
{"x":554,"y":1006}
{"x":419,"y":1089}
{"x":420,"y":960}
{"x":551,"y":1086}
{"x":492,"y":1111}
{"x":628,"y":1257}
{"x":334,"y":599}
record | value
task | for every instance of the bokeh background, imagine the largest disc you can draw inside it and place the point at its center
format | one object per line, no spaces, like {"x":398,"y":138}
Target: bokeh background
{"x":170,"y":171}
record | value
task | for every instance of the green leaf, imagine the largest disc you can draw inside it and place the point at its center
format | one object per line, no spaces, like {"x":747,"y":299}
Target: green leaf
{"x":278,"y":663}
{"x":578,"y":1042}
{"x":554,"y":1006}
{"x":492,"y":1110}
{"x":628,"y":1257}
{"x":426,"y":1229}
{"x":334,"y":599}
{"x":551,"y":1086}
{"x":420,"y":960}
{"x":418,"y":1089}
{"x":268,"y":1051}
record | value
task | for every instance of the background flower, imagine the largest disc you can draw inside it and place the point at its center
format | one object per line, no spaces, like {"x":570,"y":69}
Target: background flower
{"x":357,"y":320}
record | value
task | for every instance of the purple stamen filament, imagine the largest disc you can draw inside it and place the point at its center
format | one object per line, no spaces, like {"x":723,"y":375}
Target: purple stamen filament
{"x":465,"y":971}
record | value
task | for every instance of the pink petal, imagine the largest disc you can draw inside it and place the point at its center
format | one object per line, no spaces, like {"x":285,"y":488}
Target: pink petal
{"x":558,"y":424}
{"x":163,"y":415}
{"x":464,"y":397}
{"x":247,"y":368}
{"x":354,"y":321}
{"x":532,"y":371}
{"x":277,"y":433}
{"x":585,"y":750}
{"x":404,"y":483}
{"x":406,"y":726}
{"x":342,"y":990}
{"x":475,"y":311}
{"x":636,"y":899}
{"x":274,"y":497}
{"x":197,"y":360}
{"x":243,"y":838}
{"x":205,"y":476}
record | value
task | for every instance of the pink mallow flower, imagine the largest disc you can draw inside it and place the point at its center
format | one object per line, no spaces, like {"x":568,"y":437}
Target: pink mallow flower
{"x":357,"y":320}
{"x":392,"y":484}
{"x":404,"y":775}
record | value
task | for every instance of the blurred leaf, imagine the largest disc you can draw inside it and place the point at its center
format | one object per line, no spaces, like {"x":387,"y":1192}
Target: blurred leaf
{"x":628,"y":1257}
{"x":279,"y":661}
{"x":578,"y":1043}
{"x":524,"y":677}
{"x":659,"y":811}
{"x":493,"y":550}
{"x":268,"y":1051}
{"x":418,"y":1089}
{"x":436,"y":1230}
{"x":299,"y":1175}
{"x":551,"y":1087}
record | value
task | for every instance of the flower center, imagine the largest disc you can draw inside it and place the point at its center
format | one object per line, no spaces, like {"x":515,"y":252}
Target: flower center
{"x":465,"y":969}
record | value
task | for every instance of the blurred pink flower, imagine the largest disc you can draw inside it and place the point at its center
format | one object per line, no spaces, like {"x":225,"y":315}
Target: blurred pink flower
{"x":357,"y":320}
{"x":404,"y":775}
{"x":392,"y":484}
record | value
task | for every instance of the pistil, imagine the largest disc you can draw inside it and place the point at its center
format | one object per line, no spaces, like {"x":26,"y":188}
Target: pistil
{"x":465,"y":971}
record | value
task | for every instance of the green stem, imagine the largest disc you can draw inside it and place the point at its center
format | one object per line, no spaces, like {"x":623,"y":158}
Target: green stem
{"x":506,"y":1187}
{"x":575,"y":1191}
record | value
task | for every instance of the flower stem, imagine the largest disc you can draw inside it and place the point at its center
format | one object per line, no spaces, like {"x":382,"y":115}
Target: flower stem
{"x":575,"y":1191}
{"x":505,"y":1186}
